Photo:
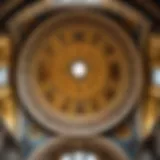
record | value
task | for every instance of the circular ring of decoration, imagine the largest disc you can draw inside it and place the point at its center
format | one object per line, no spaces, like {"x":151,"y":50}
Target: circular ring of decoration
{"x":78,"y":148}
{"x":79,"y":73}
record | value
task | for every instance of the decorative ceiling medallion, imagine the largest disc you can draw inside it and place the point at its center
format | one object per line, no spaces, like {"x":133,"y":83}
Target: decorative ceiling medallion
{"x":79,"y":148}
{"x":79,"y":71}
